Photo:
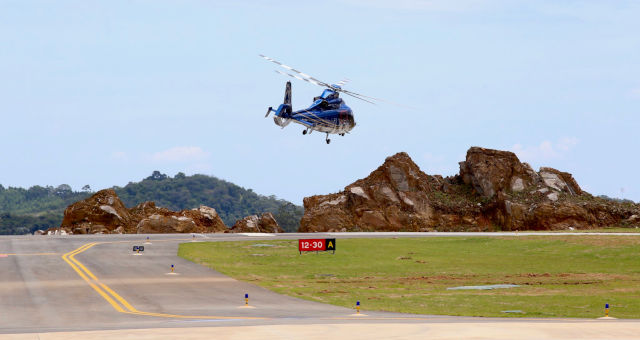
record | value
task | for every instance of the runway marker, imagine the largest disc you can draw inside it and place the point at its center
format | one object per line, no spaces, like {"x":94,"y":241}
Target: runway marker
{"x":172,"y":271}
{"x":358,"y":310}
{"x":246,"y":302}
{"x":606,"y":313}
{"x":138,"y":249}
{"x":148,"y":241}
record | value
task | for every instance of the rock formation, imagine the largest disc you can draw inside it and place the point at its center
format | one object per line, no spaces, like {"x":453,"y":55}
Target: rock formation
{"x":105,"y":213}
{"x":100,"y":213}
{"x":493,"y":191}
{"x":265,"y":223}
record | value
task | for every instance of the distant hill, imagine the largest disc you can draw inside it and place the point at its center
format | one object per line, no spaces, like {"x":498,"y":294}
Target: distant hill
{"x":27,"y":210}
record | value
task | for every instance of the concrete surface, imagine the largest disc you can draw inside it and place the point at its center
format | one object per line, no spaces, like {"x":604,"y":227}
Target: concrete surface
{"x":59,"y":287}
{"x":485,"y":330}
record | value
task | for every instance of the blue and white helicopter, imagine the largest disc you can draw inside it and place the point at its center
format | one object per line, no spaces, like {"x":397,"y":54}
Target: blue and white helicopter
{"x":327,"y":114}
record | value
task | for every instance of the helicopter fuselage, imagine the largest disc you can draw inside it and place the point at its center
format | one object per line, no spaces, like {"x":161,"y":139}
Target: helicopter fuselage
{"x":328,"y":114}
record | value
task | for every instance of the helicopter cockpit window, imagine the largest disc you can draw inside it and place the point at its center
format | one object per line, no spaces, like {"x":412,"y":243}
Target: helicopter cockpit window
{"x":327,"y":94}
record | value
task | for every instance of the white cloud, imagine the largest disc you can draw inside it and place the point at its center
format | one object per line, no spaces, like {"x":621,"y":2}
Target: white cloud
{"x":181,"y":154}
{"x":546,"y":150}
{"x":565,"y":144}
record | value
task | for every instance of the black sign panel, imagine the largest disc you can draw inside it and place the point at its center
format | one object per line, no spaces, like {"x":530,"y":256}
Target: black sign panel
{"x":330,"y":244}
{"x":138,"y":248}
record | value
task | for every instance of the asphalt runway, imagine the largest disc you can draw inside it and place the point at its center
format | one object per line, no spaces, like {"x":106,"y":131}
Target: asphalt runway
{"x":61,"y":285}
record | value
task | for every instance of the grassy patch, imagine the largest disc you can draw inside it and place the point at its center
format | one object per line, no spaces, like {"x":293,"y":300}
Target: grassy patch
{"x":560,"y":276}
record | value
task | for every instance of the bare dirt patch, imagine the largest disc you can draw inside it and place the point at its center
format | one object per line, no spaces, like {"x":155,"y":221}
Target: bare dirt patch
{"x":604,"y":242}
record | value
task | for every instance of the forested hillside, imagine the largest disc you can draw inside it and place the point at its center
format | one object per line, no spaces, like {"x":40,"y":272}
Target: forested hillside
{"x":26,"y":210}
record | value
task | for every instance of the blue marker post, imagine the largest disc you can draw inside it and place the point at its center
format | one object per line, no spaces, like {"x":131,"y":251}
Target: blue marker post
{"x":246,"y":299}
{"x":606,"y":310}
{"x":358,"y":307}
{"x":172,"y":268}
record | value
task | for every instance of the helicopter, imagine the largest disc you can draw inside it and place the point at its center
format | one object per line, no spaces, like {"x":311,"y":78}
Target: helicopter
{"x":327,"y":114}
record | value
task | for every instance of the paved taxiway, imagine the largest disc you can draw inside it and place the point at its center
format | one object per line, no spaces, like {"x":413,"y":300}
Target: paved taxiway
{"x":95,"y":283}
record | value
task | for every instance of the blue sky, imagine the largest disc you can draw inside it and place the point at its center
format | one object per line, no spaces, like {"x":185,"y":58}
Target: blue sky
{"x":103,"y":93}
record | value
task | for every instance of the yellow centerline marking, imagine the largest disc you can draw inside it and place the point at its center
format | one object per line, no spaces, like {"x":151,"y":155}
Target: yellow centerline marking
{"x":68,"y":257}
{"x":109,"y":294}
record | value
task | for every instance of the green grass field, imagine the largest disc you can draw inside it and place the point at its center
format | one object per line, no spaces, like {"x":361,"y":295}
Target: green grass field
{"x":560,"y":276}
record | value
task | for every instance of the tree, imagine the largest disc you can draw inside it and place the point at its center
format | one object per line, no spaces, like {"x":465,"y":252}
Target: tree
{"x":36,"y":192}
{"x":180,"y":175}
{"x":288,"y":217}
{"x":157,"y":176}
{"x":86,"y":188}
{"x":63,"y":190}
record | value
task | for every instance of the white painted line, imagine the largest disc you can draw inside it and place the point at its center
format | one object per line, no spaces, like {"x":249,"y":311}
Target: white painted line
{"x":257,"y":234}
{"x":471,"y":234}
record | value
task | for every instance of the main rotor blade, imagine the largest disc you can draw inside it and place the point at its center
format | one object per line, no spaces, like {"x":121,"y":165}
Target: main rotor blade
{"x":299,"y":78}
{"x":354,"y":96}
{"x":303,"y":75}
{"x":379,"y":99}
{"x":343,"y":81}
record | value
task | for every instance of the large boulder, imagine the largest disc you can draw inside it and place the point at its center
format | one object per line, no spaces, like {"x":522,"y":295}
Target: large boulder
{"x":560,"y":181}
{"x":264,"y":223}
{"x":150,"y":219}
{"x":394,"y":197}
{"x":492,"y":171}
{"x":100,"y":213}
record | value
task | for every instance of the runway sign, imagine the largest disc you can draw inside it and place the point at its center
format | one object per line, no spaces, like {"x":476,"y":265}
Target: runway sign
{"x":317,"y":245}
{"x":138,"y":248}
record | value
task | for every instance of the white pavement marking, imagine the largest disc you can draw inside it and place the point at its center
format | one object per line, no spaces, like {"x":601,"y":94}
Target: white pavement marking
{"x":476,"y":234}
{"x":257,"y":234}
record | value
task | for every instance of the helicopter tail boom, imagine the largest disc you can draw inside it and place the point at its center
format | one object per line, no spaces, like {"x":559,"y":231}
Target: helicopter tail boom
{"x":283,"y":113}
{"x":287,"y":94}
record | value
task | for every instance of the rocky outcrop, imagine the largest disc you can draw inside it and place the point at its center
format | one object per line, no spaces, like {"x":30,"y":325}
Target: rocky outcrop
{"x":492,"y":171}
{"x":493,"y":191}
{"x":104,"y":213}
{"x":265,"y":223}
{"x":97,"y":214}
